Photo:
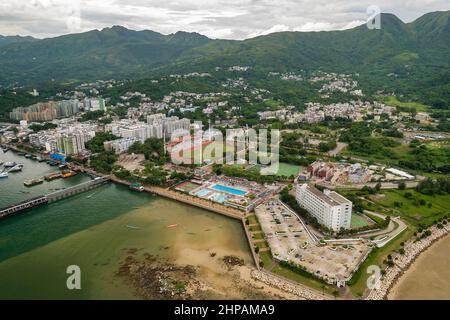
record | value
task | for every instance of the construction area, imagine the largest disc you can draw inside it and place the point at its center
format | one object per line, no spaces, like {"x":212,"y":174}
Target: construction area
{"x":290,"y":240}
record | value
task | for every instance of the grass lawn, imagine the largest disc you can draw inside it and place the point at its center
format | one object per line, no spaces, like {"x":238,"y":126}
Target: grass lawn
{"x":266,"y":258}
{"x":358,"y":221}
{"x":394,"y":102}
{"x":377,"y":257}
{"x":287,"y":169}
{"x":262,"y":245}
{"x":252,"y":219}
{"x":258,"y":236}
{"x":411,"y":210}
{"x":289,"y":274}
{"x":255,"y":228}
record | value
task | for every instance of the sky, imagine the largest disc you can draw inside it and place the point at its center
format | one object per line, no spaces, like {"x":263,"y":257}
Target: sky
{"x":224,"y":19}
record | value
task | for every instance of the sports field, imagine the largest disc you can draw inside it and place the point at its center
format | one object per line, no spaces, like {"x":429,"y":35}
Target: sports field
{"x":187,"y":186}
{"x":286,"y":169}
{"x":358,"y":221}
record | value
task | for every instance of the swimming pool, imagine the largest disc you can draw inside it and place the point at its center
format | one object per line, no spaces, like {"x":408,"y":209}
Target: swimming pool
{"x":202,"y":193}
{"x":220,"y":198}
{"x":237,"y":192}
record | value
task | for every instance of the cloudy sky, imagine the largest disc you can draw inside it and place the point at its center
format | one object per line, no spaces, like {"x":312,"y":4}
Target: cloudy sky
{"x":229,"y":19}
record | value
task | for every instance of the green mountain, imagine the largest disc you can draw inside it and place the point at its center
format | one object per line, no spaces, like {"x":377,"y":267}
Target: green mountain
{"x":417,"y":54}
{"x":112,"y":52}
{"x":14,"y":39}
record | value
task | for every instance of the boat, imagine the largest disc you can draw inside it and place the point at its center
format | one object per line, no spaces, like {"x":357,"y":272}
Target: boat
{"x":3,"y":174}
{"x":5,"y":150}
{"x":40,"y":159}
{"x":68,"y":173}
{"x":91,"y":195}
{"x":21,"y":153}
{"x":16,"y":168}
{"x":137,"y":187}
{"x":132,"y":227}
{"x":172,"y":226}
{"x":9,"y":164}
{"x":28,"y":156}
{"x":33,"y":182}
{"x":62,"y":166}
{"x":53,"y":176}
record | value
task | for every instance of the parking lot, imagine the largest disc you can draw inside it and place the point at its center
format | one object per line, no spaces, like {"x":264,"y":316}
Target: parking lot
{"x":290,"y":240}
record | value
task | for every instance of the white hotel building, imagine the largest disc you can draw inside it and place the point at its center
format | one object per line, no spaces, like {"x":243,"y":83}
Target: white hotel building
{"x":330,"y":208}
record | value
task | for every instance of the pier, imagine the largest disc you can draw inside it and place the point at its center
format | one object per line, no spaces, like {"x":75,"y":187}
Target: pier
{"x":53,"y":197}
{"x":24,"y":205}
{"x":83,"y":187}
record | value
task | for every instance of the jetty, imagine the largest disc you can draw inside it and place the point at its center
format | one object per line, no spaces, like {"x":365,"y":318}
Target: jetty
{"x":52,"y":197}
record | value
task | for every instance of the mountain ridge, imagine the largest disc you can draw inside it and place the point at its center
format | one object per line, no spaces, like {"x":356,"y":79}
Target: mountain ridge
{"x":120,"y":52}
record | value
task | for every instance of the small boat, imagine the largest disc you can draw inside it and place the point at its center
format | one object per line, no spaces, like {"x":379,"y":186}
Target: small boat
{"x":9,"y":164}
{"x":91,"y":195}
{"x":20,"y":153}
{"x":3,"y":174}
{"x":33,"y":182}
{"x":132,"y":227}
{"x":16,"y":168}
{"x":5,"y":150}
{"x":28,"y":156}
{"x":172,"y":226}
{"x":40,"y":159}
{"x":137,"y":187}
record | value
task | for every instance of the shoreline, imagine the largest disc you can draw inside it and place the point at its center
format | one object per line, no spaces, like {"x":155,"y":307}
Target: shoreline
{"x":402,"y":263}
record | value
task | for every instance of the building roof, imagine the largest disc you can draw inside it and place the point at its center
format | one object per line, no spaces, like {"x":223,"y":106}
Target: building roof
{"x":332,"y":198}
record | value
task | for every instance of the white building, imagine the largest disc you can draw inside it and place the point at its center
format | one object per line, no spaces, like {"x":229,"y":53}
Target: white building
{"x":330,"y":208}
{"x":121,"y":145}
{"x":167,"y":124}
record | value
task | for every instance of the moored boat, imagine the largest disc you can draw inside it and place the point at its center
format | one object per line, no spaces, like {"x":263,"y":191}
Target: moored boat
{"x":137,"y":187}
{"x":33,"y":182}
{"x":9,"y":164}
{"x":16,"y":168}
{"x":3,"y":174}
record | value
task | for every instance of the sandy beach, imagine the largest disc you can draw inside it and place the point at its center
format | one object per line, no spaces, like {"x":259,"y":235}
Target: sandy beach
{"x":428,"y":277}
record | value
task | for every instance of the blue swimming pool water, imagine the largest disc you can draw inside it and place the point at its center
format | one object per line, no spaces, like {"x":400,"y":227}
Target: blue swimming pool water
{"x":202,"y":193}
{"x":234,"y":191}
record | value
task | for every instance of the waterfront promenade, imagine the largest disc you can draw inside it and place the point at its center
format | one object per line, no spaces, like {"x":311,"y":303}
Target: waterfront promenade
{"x":187,"y":199}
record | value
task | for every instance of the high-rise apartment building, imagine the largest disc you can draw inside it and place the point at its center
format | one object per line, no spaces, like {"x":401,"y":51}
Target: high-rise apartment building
{"x":330,"y":208}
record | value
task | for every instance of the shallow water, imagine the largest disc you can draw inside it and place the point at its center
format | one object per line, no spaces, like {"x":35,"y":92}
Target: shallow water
{"x":429,"y":275}
{"x":95,"y":231}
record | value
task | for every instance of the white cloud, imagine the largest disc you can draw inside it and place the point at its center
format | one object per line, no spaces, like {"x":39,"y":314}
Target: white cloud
{"x":275,"y":28}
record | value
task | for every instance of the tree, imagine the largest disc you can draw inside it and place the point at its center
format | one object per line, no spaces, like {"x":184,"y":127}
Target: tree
{"x":378,"y":186}
{"x":401,"y":186}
